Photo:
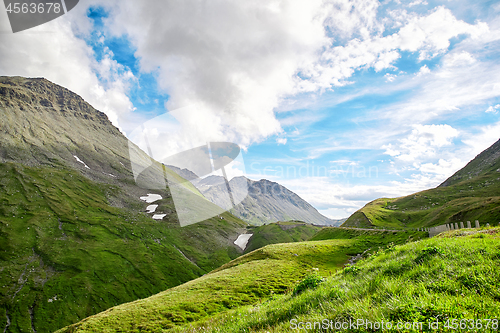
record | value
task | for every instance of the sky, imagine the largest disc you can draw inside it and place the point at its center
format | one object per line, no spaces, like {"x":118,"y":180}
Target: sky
{"x":341,"y":101}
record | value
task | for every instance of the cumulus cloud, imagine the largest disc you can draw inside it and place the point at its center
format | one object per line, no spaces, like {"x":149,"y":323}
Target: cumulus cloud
{"x":493,"y":109}
{"x":228,"y":66}
{"x":422,"y":142}
{"x":429,"y":35}
{"x":423,"y":70}
{"x":460,"y":83}
{"x":418,"y":2}
{"x":353,"y":18}
{"x":238,"y":62}
{"x":234,"y":60}
{"x":281,"y":141}
{"x":390,"y":77}
{"x":53,"y":51}
{"x":443,"y":168}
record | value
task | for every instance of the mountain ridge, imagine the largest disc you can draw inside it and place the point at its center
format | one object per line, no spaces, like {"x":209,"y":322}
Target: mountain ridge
{"x":470,"y":194}
{"x":75,"y":237}
{"x":266,"y":202}
{"x":487,"y":160}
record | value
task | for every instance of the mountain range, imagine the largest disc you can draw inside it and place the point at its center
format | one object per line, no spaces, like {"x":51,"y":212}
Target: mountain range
{"x":75,"y":236}
{"x":357,"y":271}
{"x":87,"y":228}
{"x":262,"y":201}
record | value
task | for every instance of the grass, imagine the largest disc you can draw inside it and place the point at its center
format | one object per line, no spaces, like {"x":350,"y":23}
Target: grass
{"x":281,"y":232}
{"x":369,"y":240}
{"x":453,"y":276}
{"x":249,"y":279}
{"x":253,"y":278}
{"x":65,"y":253}
{"x":468,"y":200}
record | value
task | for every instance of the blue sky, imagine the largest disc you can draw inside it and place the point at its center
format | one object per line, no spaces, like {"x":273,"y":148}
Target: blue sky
{"x":340,"y":101}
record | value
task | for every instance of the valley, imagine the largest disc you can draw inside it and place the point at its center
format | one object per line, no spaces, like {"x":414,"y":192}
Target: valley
{"x":254,"y":278}
{"x":75,"y":235}
{"x":262,"y":201}
{"x":90,"y":244}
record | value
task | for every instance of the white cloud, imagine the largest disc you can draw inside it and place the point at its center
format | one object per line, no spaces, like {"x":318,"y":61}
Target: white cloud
{"x":460,"y":83}
{"x":423,"y":141}
{"x":234,"y":60}
{"x":390,"y":77}
{"x":477,"y":142}
{"x":458,"y":59}
{"x":239,"y":61}
{"x":444,"y":168}
{"x":493,"y":109}
{"x":429,"y":35}
{"x":281,"y":141}
{"x":355,"y":17}
{"x":423,"y":70}
{"x":418,"y":2}
{"x":339,"y":200}
{"x":52,"y":51}
{"x":343,"y":162}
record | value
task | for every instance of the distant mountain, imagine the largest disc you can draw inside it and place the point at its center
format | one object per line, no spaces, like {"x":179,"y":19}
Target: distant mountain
{"x":184,"y":173}
{"x":266,"y":202}
{"x":472,"y":193}
{"x":75,"y":237}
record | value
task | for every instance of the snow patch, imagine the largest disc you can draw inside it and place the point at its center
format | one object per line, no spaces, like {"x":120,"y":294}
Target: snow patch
{"x":109,"y":174}
{"x":50,"y":300}
{"x":151,"y":208}
{"x":79,"y":160}
{"x":159,"y":216}
{"x":242,"y":240}
{"x":151,"y":198}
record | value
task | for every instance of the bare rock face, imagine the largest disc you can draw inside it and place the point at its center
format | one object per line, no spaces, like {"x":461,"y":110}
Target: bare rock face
{"x":266,"y":201}
{"x":75,"y":237}
{"x":43,"y":122}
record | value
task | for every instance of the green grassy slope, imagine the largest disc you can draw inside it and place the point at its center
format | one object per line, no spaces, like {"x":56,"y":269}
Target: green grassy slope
{"x":65,"y":253}
{"x":369,"y":239}
{"x":249,"y":279}
{"x":74,"y":236}
{"x":281,"y":232}
{"x":452,"y":276}
{"x":470,"y":200}
{"x":473,"y":193}
{"x":486,"y":162}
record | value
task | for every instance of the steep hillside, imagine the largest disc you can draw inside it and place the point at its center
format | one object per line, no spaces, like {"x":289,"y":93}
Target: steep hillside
{"x":75,"y":237}
{"x":253,"y":278}
{"x":473,"y":193}
{"x":433,"y":285}
{"x":488,"y":162}
{"x":266,"y":202}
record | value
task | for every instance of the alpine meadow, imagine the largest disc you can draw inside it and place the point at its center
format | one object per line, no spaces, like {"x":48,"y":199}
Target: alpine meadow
{"x":251,"y":166}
